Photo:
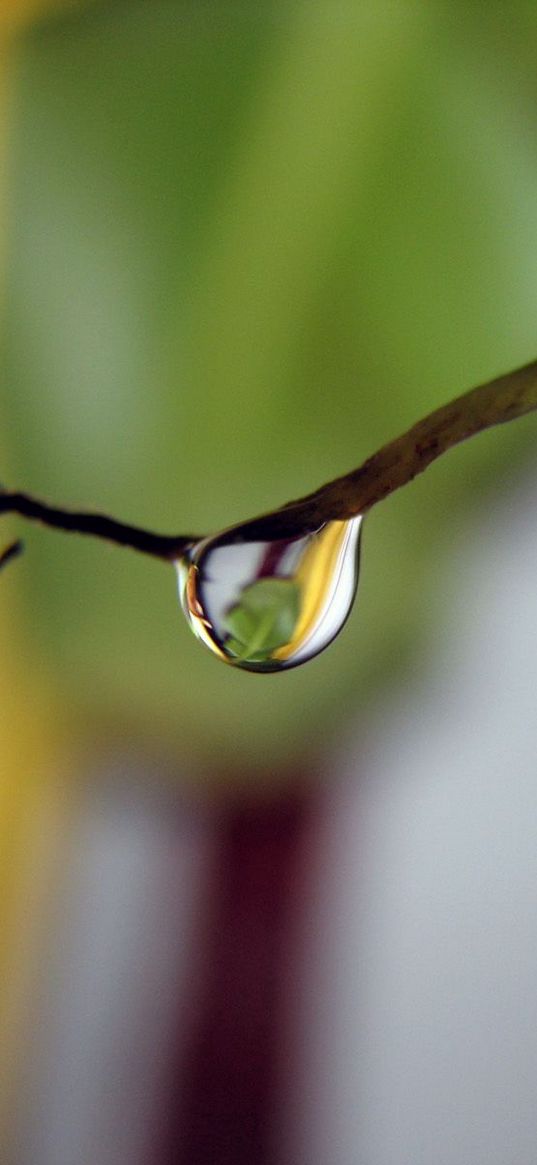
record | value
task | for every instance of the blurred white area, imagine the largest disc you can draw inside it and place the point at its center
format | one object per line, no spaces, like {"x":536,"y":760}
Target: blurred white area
{"x":415,"y":1018}
{"x":122,"y":966}
{"x":412,"y":1002}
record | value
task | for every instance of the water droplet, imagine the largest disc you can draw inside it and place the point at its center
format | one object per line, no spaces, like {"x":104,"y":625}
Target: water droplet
{"x":270,"y":605}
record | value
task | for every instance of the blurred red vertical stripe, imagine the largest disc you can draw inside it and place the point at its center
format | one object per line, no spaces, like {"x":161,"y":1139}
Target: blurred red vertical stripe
{"x":228,"y":1078}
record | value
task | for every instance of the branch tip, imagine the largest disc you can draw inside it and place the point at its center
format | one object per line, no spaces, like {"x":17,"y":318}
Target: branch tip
{"x":14,"y":550}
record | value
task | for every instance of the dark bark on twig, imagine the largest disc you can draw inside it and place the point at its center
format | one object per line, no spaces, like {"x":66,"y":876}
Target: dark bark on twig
{"x":396,"y":464}
{"x":98,"y":525}
{"x":12,"y":551}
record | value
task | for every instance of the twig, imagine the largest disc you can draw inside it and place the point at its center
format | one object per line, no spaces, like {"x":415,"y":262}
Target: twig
{"x":12,"y":551}
{"x":97,"y":525}
{"x":401,"y":460}
{"x":396,"y":464}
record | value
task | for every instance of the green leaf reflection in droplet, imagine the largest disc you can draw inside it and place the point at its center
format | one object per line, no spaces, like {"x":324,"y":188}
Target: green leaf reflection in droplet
{"x":264,"y":619}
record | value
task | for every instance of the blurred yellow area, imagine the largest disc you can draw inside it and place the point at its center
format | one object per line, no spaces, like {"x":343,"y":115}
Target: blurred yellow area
{"x":34,"y":801}
{"x":33,"y":806}
{"x":33,"y":794}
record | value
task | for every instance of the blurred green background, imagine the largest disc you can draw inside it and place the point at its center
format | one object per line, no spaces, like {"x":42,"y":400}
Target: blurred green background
{"x":246,"y":246}
{"x":243,"y":246}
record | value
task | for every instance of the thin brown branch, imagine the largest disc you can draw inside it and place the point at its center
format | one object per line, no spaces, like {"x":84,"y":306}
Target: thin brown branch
{"x":12,"y":551}
{"x":402,"y":459}
{"x":97,"y":525}
{"x":396,"y":464}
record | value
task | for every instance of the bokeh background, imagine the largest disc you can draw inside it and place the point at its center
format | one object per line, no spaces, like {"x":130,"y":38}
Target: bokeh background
{"x":285,"y":919}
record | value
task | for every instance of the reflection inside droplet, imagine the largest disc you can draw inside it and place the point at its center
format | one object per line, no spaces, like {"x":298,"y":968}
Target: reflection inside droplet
{"x":270,"y":605}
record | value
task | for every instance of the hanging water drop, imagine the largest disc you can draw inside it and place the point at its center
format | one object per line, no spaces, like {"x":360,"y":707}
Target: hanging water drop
{"x":268,"y":605}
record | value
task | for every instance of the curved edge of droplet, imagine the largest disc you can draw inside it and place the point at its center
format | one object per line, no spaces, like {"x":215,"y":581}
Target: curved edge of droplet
{"x":185,"y":565}
{"x":300,"y":659}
